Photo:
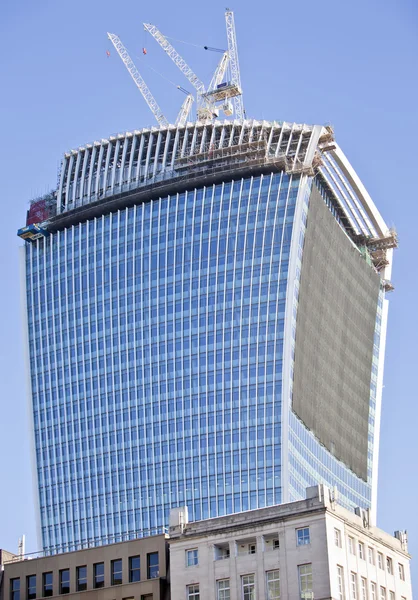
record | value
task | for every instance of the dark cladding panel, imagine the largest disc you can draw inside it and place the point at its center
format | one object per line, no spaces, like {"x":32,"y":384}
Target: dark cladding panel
{"x":334,"y":339}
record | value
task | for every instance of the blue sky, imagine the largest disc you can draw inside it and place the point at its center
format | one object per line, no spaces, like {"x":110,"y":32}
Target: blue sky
{"x":352,"y":64}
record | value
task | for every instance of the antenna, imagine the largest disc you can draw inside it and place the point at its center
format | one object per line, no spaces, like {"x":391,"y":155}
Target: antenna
{"x":21,"y":546}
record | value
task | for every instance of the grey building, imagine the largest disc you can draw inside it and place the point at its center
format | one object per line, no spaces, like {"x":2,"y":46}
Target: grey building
{"x":133,"y":570}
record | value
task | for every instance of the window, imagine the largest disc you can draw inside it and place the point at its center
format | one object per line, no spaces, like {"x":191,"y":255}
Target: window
{"x":371,"y":556}
{"x":340,"y":579}
{"x":98,"y":575}
{"x":81,"y":578}
{"x":116,"y":572}
{"x":248,"y":587}
{"x":31,"y":587}
{"x":193,"y":591}
{"x":15,"y":588}
{"x":353,"y":579}
{"x":273,"y":585}
{"x":302,"y":536}
{"x":351,"y":547}
{"x":146,"y":597}
{"x":373,"y":591}
{"x":401,"y":571}
{"x":134,"y":569}
{"x":391,"y":595}
{"x":153,"y":568}
{"x":337,"y":538}
{"x":363,"y":589}
{"x":221,"y":552}
{"x":223,"y":590}
{"x":246,"y":548}
{"x":382,"y":593}
{"x":361,"y":551}
{"x":64,"y":580}
{"x":380,"y":560}
{"x":276,"y":544}
{"x":192,"y":557}
{"x":389,"y":565}
{"x":305,"y":581}
{"x":46,"y":585}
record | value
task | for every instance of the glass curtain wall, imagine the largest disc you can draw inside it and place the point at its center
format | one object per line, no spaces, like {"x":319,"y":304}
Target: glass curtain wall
{"x":156,"y":348}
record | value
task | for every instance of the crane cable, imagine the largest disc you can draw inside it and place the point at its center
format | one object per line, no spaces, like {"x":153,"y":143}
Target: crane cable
{"x":210,"y":48}
{"x":176,"y":85}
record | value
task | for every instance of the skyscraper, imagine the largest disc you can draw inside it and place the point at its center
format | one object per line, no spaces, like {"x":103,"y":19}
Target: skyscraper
{"x":206,"y":321}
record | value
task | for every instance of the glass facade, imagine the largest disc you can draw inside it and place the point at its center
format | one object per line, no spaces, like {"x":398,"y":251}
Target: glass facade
{"x":156,"y":342}
{"x":160,"y":372}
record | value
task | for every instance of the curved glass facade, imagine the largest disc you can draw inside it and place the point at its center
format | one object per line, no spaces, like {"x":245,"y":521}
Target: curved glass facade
{"x":156,"y":348}
{"x":163,"y":327}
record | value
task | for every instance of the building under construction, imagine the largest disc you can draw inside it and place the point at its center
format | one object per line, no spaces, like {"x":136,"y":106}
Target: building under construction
{"x":206,"y":315}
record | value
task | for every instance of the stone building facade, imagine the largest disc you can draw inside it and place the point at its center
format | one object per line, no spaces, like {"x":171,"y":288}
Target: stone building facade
{"x":312,"y":548}
{"x":132,"y":570}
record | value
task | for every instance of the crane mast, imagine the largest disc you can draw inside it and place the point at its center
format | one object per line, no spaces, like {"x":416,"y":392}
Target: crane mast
{"x":184,"y":111}
{"x":140,"y":83}
{"x":234,"y":64}
{"x":219,"y":73}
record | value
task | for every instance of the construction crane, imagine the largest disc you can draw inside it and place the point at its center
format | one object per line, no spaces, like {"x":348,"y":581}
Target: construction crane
{"x":234,"y":64}
{"x":185,"y":108}
{"x":219,"y":73}
{"x":140,"y":83}
{"x":218,"y":91}
{"x":176,"y":58}
{"x":207,"y":100}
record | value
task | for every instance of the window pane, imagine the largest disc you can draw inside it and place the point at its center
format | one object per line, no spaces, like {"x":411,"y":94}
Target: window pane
{"x":81,"y":578}
{"x":98,"y":575}
{"x":193,"y":592}
{"x":192,"y":557}
{"x":305,"y":581}
{"x":340,"y":576}
{"x":337,"y":536}
{"x":363,"y":589}
{"x":134,"y":568}
{"x":223,"y":589}
{"x":152,"y":564}
{"x":15,"y":589}
{"x":31,"y":587}
{"x":65,"y":581}
{"x":47,"y":584}
{"x":116,"y":572}
{"x":353,"y":578}
{"x":248,"y":587}
{"x":273,"y":585}
{"x":373,"y":590}
{"x":302,"y":536}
